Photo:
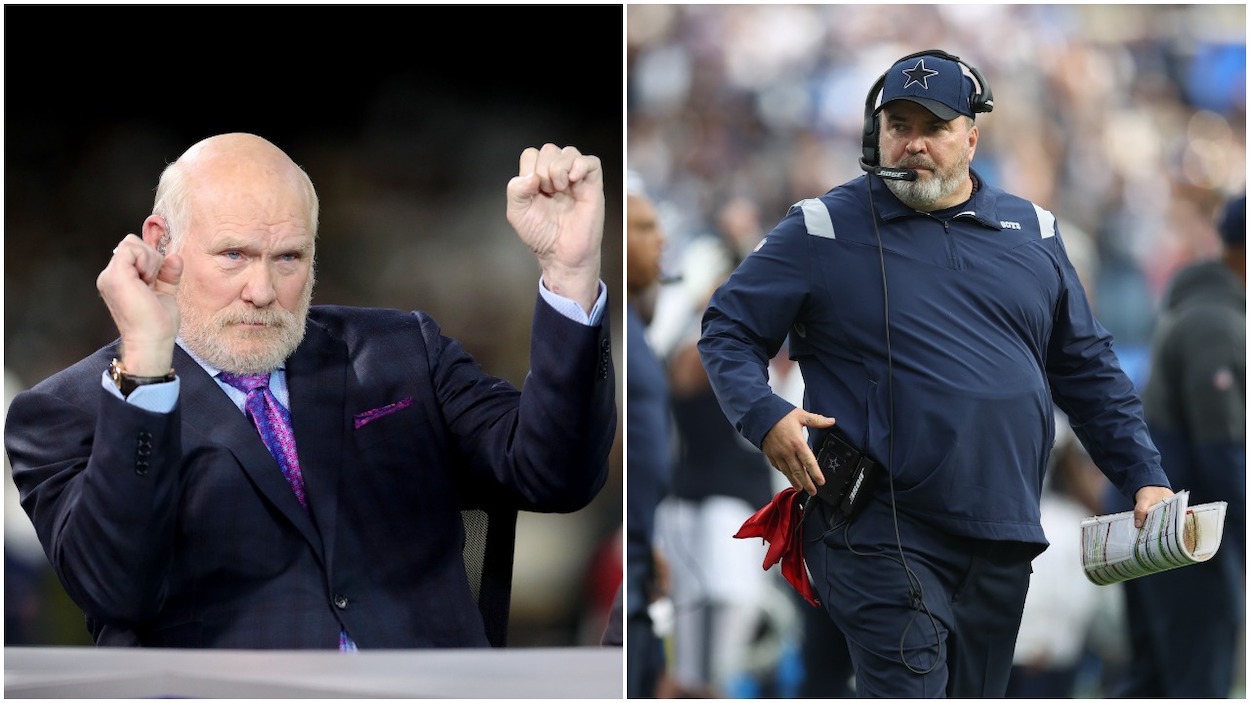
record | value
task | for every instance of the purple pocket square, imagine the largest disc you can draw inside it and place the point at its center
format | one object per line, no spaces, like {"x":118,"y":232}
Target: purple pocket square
{"x":368,"y":416}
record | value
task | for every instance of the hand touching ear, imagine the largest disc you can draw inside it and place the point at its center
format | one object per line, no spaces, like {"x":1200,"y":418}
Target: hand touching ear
{"x":140,"y":285}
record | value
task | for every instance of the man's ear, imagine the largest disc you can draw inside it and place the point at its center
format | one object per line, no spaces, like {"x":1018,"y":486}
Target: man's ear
{"x":155,"y":233}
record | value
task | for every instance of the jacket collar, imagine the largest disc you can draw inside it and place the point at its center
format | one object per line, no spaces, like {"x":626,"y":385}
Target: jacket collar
{"x":981,"y":208}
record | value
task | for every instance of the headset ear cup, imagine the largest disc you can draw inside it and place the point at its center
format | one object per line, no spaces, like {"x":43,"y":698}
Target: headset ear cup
{"x":983,"y":99}
{"x":871,"y":140}
{"x":872,"y":126}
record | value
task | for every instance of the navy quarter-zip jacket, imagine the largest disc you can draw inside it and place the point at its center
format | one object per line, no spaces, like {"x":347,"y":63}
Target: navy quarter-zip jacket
{"x":988,"y":330}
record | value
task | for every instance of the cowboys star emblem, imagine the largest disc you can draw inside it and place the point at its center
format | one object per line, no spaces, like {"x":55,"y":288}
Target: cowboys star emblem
{"x":918,"y":74}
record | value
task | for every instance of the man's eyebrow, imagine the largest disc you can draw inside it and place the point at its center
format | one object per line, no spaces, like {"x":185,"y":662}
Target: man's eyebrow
{"x":227,"y":242}
{"x":303,"y":247}
{"x":232,"y":242}
{"x":926,"y":121}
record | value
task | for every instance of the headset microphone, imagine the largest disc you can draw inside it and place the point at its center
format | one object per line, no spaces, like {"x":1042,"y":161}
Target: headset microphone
{"x":893,"y":174}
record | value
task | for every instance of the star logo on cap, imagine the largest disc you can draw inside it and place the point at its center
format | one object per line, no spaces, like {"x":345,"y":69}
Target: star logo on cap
{"x":918,"y":74}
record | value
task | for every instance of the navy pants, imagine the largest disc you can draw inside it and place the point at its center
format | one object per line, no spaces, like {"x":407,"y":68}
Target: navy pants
{"x":644,"y":657}
{"x":937,"y":620}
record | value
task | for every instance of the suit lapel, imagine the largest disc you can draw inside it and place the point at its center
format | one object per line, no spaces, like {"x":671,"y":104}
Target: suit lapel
{"x":208,"y":411}
{"x":317,"y":380}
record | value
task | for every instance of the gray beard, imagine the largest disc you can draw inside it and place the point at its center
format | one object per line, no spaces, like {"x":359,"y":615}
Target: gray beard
{"x":923,"y":195}
{"x":203,"y":336}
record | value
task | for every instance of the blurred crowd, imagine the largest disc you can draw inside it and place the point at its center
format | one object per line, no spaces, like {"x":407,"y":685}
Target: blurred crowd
{"x":1125,"y":121}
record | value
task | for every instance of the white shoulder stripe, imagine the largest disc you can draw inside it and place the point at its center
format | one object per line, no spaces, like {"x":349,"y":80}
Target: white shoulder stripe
{"x":1045,"y":222}
{"x":816,"y":218}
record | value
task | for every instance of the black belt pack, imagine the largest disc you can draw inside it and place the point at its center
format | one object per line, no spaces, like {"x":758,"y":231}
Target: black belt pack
{"x":849,"y":473}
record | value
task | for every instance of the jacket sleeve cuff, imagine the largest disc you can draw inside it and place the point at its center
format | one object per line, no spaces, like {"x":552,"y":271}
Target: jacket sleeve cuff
{"x":762,"y":417}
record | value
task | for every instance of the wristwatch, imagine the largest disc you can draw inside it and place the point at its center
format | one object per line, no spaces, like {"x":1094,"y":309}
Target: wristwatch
{"x":126,"y":383}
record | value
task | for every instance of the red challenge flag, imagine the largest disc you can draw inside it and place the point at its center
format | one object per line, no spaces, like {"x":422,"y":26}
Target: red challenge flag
{"x":779,"y":524}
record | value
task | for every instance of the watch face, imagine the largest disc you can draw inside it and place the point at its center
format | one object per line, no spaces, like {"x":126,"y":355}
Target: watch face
{"x":127,"y":383}
{"x":120,"y":379}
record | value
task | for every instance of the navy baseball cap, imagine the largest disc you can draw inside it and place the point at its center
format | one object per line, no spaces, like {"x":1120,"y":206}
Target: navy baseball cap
{"x":1233,"y":222}
{"x":937,"y":84}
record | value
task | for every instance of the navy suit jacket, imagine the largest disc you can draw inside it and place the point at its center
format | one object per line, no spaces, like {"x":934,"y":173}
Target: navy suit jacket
{"x":178,"y":529}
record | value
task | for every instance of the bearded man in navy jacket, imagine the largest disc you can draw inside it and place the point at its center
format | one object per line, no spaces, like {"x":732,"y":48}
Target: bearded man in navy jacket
{"x":164,"y":514}
{"x":938,"y":320}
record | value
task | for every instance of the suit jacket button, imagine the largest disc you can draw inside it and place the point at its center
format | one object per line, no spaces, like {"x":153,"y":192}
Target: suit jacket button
{"x":143,"y":450}
{"x":340,"y":602}
{"x":605,"y":357}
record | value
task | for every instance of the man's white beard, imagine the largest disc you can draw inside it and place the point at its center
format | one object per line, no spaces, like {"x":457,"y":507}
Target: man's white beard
{"x":216,"y":338}
{"x":923,"y":194}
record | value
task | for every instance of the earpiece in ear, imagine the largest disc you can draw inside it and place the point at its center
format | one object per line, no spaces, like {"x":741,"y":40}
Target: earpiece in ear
{"x":163,"y":244}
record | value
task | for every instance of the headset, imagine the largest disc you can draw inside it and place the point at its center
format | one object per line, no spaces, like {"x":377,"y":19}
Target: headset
{"x":870,"y":161}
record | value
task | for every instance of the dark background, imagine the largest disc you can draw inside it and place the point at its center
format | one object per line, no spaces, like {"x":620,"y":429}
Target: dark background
{"x":410,"y":121}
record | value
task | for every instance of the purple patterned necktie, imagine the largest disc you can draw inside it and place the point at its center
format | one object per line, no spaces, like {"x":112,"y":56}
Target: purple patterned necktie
{"x":274,"y":424}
